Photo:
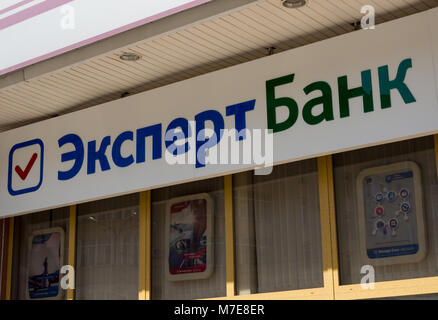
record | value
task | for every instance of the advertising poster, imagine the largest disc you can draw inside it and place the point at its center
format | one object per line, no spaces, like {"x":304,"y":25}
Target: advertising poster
{"x":391,"y":214}
{"x":45,"y":261}
{"x":190,"y":243}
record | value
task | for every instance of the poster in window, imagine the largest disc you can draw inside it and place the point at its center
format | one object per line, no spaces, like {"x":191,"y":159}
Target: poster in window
{"x":46,"y":254}
{"x":390,"y":206}
{"x":189,"y":234}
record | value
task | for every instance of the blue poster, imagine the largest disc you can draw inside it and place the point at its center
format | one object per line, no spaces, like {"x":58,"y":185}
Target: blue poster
{"x":391,"y":209}
{"x":44,"y":265}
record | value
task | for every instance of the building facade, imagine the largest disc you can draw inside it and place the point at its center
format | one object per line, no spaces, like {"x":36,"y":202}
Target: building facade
{"x":221,"y":150}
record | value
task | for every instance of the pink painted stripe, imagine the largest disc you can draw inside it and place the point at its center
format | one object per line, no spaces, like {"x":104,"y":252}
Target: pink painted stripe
{"x":15,"y":6}
{"x":105,"y":35}
{"x":31,"y":12}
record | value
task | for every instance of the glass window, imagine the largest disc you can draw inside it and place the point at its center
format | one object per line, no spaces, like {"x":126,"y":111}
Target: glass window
{"x":389,"y":232}
{"x":277,"y":229}
{"x":214,"y":284}
{"x":24,"y":227}
{"x":107,"y":249}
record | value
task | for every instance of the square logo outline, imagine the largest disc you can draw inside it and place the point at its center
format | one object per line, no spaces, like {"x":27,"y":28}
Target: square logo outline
{"x":21,"y":145}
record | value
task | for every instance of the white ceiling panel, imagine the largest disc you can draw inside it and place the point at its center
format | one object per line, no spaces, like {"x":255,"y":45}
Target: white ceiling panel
{"x":219,"y":42}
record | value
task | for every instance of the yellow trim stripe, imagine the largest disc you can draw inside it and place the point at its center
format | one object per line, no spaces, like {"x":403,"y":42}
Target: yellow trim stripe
{"x":304,"y":294}
{"x":333,"y":228}
{"x":325,"y":207}
{"x":144,"y":265}
{"x":387,"y":289}
{"x":229,"y":235}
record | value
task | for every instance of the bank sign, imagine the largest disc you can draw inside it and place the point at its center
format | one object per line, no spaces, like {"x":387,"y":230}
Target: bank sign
{"x":364,"y":88}
{"x":36,"y":30}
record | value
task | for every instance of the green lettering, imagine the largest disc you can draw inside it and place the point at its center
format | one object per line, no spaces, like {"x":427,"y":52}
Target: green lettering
{"x":365,"y":91}
{"x":398,"y":83}
{"x":326,"y":101}
{"x":272,"y":103}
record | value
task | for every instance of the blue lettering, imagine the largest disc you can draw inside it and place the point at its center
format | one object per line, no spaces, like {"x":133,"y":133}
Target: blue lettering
{"x":118,"y":159}
{"x":94,"y":155}
{"x":77,"y":156}
{"x":202,"y":144}
{"x":239,"y":110}
{"x":155,"y":132}
{"x":172,"y":136}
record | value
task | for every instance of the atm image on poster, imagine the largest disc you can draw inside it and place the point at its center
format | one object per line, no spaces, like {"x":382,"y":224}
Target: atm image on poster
{"x":391,"y":218}
{"x":189,"y":223}
{"x":46,"y":253}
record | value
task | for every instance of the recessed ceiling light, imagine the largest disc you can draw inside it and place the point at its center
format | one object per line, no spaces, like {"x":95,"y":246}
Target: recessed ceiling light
{"x":129,"y":57}
{"x":294,"y":3}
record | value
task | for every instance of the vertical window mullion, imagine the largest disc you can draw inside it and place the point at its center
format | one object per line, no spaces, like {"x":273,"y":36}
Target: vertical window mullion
{"x":328,"y":224}
{"x":9,"y":260}
{"x":229,"y":236}
{"x":145,"y":247}
{"x":72,"y":246}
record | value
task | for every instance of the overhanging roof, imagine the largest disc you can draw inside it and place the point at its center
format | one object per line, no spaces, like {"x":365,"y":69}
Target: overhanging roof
{"x":214,"y":36}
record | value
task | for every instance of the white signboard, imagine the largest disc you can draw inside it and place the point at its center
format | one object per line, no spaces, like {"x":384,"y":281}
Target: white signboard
{"x":35,"y":30}
{"x":359,"y":89}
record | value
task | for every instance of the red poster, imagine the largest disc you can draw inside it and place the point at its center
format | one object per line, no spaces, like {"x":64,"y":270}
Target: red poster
{"x":190,"y":238}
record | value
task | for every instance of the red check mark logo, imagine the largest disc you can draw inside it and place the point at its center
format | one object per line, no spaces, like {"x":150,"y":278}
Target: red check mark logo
{"x":23,"y":174}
